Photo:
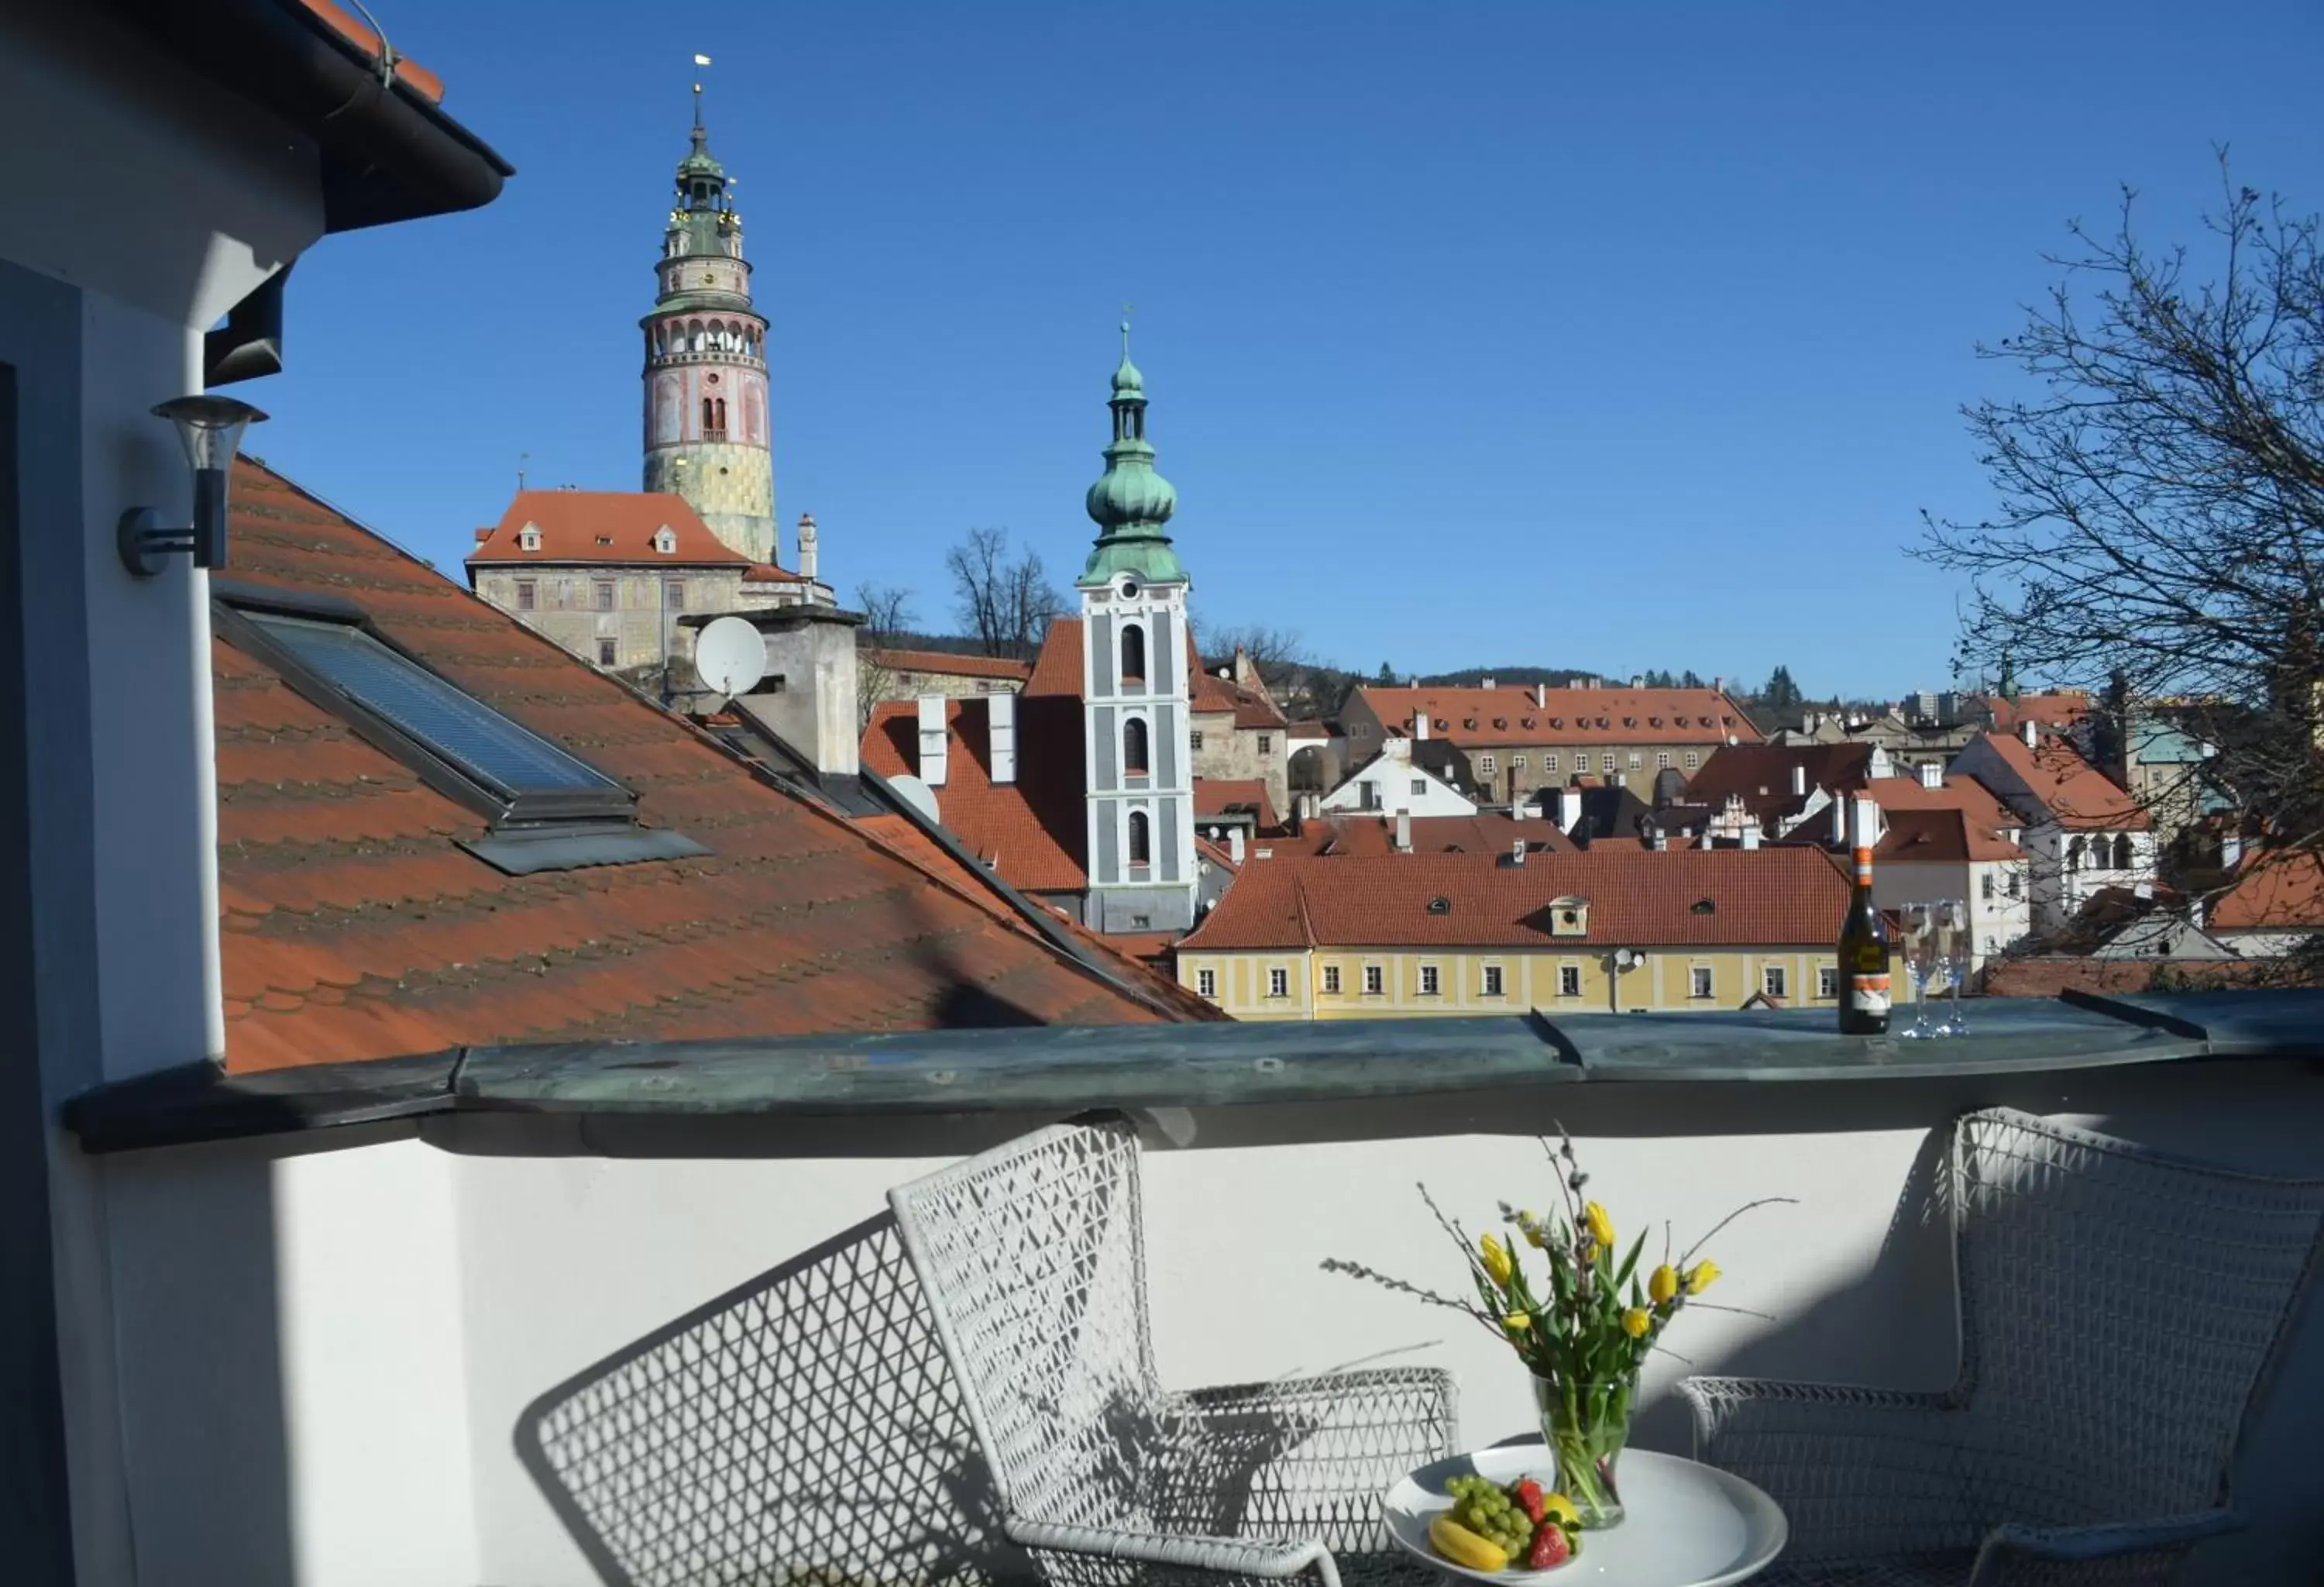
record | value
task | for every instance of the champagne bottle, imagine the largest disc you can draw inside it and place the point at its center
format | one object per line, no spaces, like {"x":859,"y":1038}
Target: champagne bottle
{"x":1863,"y":938}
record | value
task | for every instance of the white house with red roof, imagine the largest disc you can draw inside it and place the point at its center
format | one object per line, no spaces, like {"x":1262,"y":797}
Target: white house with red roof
{"x":2083,"y":831}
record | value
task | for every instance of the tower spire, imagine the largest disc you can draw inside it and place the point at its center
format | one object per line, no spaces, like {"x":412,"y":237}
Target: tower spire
{"x":1131,"y":503}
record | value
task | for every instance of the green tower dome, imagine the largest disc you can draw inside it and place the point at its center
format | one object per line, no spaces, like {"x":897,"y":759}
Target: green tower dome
{"x":1131,"y":503}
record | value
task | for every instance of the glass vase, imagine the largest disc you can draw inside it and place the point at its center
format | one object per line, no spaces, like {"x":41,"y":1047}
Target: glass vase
{"x":1585,"y":1426}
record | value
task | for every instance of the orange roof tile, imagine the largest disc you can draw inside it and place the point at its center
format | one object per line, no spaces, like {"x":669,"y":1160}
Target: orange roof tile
{"x":605,"y":526}
{"x":1487,"y":718}
{"x":1212,"y":694}
{"x":1032,"y":831}
{"x":411,"y":73}
{"x":947,"y":662}
{"x":1372,"y":835}
{"x":1938,"y":836}
{"x":1637,"y":898}
{"x":1058,"y":669}
{"x":2057,"y":711}
{"x":2078,"y":795}
{"x":2274,"y":891}
{"x":354,"y":928}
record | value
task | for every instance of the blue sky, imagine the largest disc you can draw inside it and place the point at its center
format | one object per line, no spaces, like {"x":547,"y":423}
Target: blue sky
{"x":1477,"y":334}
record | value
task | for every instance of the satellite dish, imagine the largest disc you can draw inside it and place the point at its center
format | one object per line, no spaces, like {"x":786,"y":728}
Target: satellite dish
{"x":1623,"y":958}
{"x":730,"y":657}
{"x":917,"y":794}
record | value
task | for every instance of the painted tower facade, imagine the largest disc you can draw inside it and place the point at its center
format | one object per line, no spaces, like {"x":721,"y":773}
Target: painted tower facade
{"x":707,"y":429}
{"x":1142,"y":866}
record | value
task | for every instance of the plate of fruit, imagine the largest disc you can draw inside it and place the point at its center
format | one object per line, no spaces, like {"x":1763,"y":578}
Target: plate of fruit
{"x":1480,"y":1526}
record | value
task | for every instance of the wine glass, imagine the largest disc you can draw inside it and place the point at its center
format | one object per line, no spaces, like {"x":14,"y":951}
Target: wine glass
{"x":1952,"y":946}
{"x":1917,"y":925}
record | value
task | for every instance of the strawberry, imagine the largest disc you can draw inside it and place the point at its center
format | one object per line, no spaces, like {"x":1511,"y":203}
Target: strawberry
{"x":1551,"y":1546}
{"x":1527,"y":1496}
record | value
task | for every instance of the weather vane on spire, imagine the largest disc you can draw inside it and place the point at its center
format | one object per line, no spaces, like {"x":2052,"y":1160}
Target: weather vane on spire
{"x":1126,"y":310}
{"x":698,"y":60}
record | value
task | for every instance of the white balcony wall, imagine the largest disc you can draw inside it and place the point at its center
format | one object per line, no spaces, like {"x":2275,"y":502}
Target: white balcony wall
{"x":332,"y":1351}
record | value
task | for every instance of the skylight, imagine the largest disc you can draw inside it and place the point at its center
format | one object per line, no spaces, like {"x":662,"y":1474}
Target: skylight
{"x":509,"y":760}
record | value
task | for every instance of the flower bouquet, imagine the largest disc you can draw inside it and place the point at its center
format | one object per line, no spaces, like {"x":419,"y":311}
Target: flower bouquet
{"x":1582,"y":1322}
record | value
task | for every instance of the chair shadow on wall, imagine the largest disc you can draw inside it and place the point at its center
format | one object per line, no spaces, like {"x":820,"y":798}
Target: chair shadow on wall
{"x":803,"y":1427}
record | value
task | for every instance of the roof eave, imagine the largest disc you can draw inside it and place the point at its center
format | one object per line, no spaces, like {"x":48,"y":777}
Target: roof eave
{"x":389,"y":153}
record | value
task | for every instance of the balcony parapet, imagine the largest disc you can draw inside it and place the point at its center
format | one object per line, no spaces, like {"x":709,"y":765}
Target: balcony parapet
{"x":1059,"y":1070}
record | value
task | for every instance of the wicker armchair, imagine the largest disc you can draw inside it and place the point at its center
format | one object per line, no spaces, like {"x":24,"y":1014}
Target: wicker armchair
{"x":2119,"y":1310}
{"x":1032,"y":1259}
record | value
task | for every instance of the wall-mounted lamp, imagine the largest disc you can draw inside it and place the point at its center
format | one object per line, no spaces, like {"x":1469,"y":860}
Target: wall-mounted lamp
{"x":211,"y":427}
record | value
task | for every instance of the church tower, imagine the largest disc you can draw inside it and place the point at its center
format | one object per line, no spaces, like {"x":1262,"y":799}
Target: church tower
{"x":706,"y":436}
{"x":1142,"y":865}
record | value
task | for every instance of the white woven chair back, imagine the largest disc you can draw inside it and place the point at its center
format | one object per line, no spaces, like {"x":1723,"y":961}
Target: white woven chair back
{"x":1033,"y":1259}
{"x":2119,"y":1307}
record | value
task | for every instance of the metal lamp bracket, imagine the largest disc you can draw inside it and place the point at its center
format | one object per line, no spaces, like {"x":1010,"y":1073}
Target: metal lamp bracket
{"x":145,"y":544}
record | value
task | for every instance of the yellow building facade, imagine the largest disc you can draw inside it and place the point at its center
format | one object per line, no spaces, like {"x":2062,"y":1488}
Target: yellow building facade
{"x":1359,"y":984}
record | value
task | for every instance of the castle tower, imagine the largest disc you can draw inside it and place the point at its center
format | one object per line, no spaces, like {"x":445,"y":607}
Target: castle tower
{"x":1142,"y":865}
{"x":706,"y":432}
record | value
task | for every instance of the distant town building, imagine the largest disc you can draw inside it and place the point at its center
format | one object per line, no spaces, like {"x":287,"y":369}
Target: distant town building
{"x":2083,"y":831}
{"x":1399,"y":780}
{"x":1515,"y":739}
{"x":1420,"y":933}
{"x":1240,"y":733}
{"x":607,"y":573}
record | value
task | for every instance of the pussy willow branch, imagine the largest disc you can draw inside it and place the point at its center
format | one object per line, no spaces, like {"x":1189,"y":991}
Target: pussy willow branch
{"x":1386,"y":1281}
{"x":1765,"y":1201}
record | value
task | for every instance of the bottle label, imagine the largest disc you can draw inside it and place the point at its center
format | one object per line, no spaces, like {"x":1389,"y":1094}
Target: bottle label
{"x":1864,"y":867}
{"x":1869,"y":993}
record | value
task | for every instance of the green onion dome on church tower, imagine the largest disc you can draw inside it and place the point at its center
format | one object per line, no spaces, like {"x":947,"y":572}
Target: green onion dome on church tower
{"x":1131,"y":503}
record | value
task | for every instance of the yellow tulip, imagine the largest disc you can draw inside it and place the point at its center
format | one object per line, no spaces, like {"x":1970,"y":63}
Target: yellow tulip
{"x":1602,"y":1227}
{"x":1664,"y":1285}
{"x":1700,"y":1277}
{"x":1516,"y":1322}
{"x":1530,"y":1227}
{"x":1635,"y":1321}
{"x":1496,"y":1260}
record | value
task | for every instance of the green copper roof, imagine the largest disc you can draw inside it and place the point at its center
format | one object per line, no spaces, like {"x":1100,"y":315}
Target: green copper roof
{"x":1131,"y":503}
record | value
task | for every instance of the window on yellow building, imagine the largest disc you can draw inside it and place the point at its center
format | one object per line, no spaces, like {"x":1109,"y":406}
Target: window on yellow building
{"x":1375,"y":980}
{"x":1278,"y":983}
{"x":1206,"y":981}
{"x":1827,"y":980}
{"x":1331,"y":978}
{"x":1772,"y":980}
{"x":1493,"y":981}
{"x":1699,"y":981}
{"x":1428,"y":980}
{"x":1569,"y":980}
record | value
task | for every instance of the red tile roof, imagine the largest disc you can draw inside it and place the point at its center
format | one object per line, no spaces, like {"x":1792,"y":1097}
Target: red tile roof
{"x":411,"y":73}
{"x":1033,"y":831}
{"x":1788,"y":896}
{"x":1058,"y":669}
{"x":2273,"y":891}
{"x":2056,"y":712}
{"x":605,"y":526}
{"x":1506,"y":714}
{"x":354,"y":928}
{"x":1965,"y":794}
{"x":1940,"y":837}
{"x":1214,"y":695}
{"x":2078,"y":796}
{"x":1372,"y":835}
{"x":1214,"y":796}
{"x":1760,"y":775}
{"x":947,"y":663}
{"x":768,"y":573}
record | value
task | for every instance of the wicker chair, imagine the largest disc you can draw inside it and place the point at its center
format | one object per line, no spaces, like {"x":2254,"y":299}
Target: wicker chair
{"x":1032,"y":1259}
{"x":2119,"y":1310}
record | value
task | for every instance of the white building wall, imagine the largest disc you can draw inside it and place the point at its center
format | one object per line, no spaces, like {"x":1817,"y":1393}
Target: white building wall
{"x":1398,"y":785}
{"x":1995,"y":923}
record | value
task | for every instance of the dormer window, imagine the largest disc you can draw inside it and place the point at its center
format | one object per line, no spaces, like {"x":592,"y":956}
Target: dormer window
{"x":665,"y":541}
{"x":1440,"y":905}
{"x":604,"y":539}
{"x":528,"y":538}
{"x":1569,"y":916}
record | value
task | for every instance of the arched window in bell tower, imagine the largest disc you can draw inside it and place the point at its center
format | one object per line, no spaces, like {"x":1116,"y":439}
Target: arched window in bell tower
{"x":719,"y":423}
{"x":1141,"y":840}
{"x":707,"y":411}
{"x":1135,"y":755}
{"x":1133,"y":654}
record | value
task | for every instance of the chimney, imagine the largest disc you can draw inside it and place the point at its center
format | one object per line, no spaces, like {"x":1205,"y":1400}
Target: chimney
{"x":1517,"y":851}
{"x":1487,"y":682}
{"x":1933,"y":775}
{"x":1751,"y":837}
{"x":1419,"y":725}
{"x":1798,"y":782}
{"x":1306,"y":806}
{"x":1865,"y":823}
{"x":1541,"y":697}
{"x":1569,"y":810}
{"x":1000,"y":724}
{"x":2032,"y":732}
{"x":1404,"y":830}
{"x":1637,"y":680}
{"x":483,"y":534}
{"x":808,"y":697}
{"x":1719,"y":684}
{"x":1516,"y":809}
{"x":932,"y":739}
{"x":1661,"y":840}
{"x":2231,"y":852}
{"x":806,"y":545}
{"x":1840,"y":823}
{"x":1234,"y":845}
